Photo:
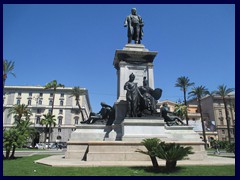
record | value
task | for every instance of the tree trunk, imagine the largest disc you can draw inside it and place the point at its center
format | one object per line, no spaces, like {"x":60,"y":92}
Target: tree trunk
{"x":8,"y":150}
{"x":227,"y":119}
{"x":154,"y":161}
{"x":45,"y":135}
{"x":171,"y":165}
{"x":203,"y":126}
{"x":53,"y":102}
{"x":49,"y":136}
{"x":185,"y":103}
{"x":13,"y":152}
{"x":80,"y":108}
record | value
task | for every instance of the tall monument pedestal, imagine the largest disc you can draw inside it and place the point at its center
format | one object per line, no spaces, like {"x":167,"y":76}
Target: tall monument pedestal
{"x":120,"y":141}
{"x":98,"y":143}
{"x":136,"y":59}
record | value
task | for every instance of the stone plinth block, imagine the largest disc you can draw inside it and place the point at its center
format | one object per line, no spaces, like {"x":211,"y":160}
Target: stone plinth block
{"x":133,"y":53}
{"x":92,"y":132}
{"x":133,"y":58}
{"x":137,"y":129}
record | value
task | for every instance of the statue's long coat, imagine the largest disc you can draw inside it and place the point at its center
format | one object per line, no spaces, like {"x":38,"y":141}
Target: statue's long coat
{"x":130,"y":31}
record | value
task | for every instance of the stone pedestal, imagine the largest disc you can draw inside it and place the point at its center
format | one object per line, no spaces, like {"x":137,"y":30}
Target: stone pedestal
{"x":133,"y":58}
{"x":92,"y":132}
{"x":120,"y":141}
{"x":100,"y":143}
{"x":137,"y":129}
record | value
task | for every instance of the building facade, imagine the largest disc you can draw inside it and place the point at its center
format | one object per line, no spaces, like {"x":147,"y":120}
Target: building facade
{"x":39,"y":101}
{"x":195,"y":121}
{"x":214,"y":114}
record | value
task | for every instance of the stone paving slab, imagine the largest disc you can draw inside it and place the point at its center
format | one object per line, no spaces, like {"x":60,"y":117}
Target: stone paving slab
{"x":60,"y":161}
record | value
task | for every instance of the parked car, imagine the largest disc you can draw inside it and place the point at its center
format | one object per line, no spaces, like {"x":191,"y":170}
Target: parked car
{"x":40,"y":146}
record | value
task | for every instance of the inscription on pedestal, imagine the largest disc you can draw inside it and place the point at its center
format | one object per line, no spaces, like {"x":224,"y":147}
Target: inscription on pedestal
{"x":139,"y":72}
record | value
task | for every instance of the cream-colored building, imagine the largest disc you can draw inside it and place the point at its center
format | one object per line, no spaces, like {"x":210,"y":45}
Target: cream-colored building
{"x":40,"y":100}
{"x":195,"y":120}
{"x":213,"y":111}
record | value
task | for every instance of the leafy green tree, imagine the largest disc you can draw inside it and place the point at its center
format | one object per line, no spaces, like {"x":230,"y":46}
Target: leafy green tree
{"x":198,"y":93}
{"x":184,"y":82}
{"x":21,"y":115}
{"x":223,"y":91}
{"x":22,"y":128}
{"x":230,"y":147}
{"x":53,"y":85}
{"x":24,"y":131}
{"x":8,"y":67}
{"x":20,"y":111}
{"x":180,"y":110}
{"x":150,"y":144}
{"x":49,"y":121}
{"x":171,"y":152}
{"x":9,"y":140}
{"x":77,"y":92}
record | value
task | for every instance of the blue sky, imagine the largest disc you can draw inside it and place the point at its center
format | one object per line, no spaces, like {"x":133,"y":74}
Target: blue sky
{"x":76,"y":44}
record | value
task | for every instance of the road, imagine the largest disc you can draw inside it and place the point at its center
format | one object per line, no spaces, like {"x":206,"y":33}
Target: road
{"x":34,"y":152}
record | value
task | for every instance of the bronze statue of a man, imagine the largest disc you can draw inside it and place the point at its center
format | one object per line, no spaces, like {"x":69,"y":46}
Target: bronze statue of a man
{"x":134,"y":23}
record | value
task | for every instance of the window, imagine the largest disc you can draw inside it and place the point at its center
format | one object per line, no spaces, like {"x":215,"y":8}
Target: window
{"x":61,"y":103}
{"x":40,"y":102}
{"x":38,"y":111}
{"x":30,"y":94}
{"x":51,"y":94}
{"x":19,"y":94}
{"x":220,"y":113}
{"x":221,"y":122}
{"x":76,"y":121}
{"x":59,"y":130}
{"x":18,"y":102}
{"x":29,"y":102}
{"x":60,"y":120}
{"x":41,"y":94}
{"x":60,"y":111}
{"x":50,"y":103}
{"x":62,"y":94}
{"x":223,"y":131}
{"x":38,"y":120}
{"x":49,"y":111}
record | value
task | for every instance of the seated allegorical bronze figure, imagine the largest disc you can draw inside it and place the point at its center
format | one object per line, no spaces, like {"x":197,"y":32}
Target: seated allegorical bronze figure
{"x":169,"y":116}
{"x":106,"y":115}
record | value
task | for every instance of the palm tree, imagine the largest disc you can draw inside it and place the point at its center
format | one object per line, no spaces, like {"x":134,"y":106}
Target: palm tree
{"x":184,"y":82}
{"x":150,"y":144}
{"x":199,"y":92}
{"x":223,"y":91}
{"x":8,"y":67}
{"x":77,"y":92}
{"x":171,"y":152}
{"x":19,"y":111}
{"x":22,"y":126}
{"x":48,"y":121}
{"x":53,"y":85}
{"x":9,"y":140}
{"x":180,"y":110}
{"x":24,"y":132}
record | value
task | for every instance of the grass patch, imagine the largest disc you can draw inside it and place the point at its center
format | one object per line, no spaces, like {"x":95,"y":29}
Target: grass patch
{"x":25,"y":166}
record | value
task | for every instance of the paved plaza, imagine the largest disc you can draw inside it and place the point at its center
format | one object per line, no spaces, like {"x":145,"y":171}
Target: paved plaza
{"x":60,"y":161}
